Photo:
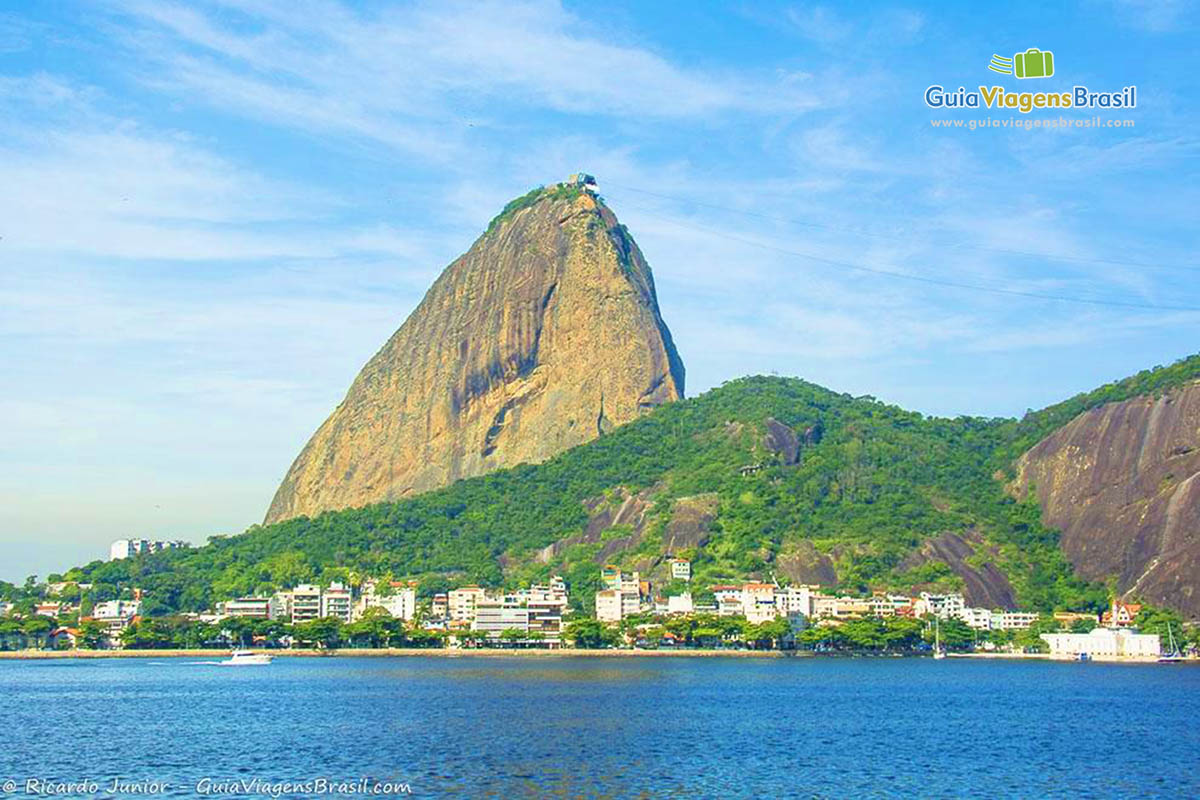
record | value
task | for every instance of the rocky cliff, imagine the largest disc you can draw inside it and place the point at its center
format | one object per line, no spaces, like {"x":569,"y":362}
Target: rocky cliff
{"x":543,"y":336}
{"x":1121,"y":483}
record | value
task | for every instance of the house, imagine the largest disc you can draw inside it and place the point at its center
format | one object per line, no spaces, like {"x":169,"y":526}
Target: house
{"x":1121,"y":615}
{"x":63,"y":639}
{"x":51,"y":610}
{"x":439,"y":606}
{"x":111,"y":610}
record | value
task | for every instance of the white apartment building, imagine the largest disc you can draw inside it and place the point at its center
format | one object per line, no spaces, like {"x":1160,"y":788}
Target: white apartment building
{"x":942,"y":606}
{"x":462,"y":603}
{"x":304,"y":602}
{"x":496,"y":616}
{"x":758,"y":602}
{"x":609,"y":605}
{"x":1104,"y":643}
{"x":400,"y":602}
{"x":831,"y":607}
{"x":889,"y":605}
{"x":978,"y":618}
{"x":336,"y":601}
{"x":111,"y":610}
{"x":1013,"y":620}
{"x":680,"y":604}
{"x":681,"y":569}
{"x":795,"y":600}
{"x":253,"y":607}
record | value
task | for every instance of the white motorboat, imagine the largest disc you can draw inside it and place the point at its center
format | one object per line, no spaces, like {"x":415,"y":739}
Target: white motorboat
{"x":245,"y":658}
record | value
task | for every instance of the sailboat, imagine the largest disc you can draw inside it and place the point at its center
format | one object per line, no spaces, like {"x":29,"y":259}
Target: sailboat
{"x":938,"y":652}
{"x":1172,"y":656}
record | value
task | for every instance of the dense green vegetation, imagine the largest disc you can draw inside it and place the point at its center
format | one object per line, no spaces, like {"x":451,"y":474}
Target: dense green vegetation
{"x":872,"y":484}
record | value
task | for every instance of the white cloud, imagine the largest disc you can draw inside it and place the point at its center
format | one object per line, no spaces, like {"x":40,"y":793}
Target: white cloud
{"x":413,"y":78}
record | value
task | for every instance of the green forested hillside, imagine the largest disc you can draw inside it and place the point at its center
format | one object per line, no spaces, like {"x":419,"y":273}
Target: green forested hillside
{"x":871,"y":485}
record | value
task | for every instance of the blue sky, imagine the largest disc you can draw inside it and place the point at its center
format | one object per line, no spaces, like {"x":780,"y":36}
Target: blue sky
{"x":214,"y":213}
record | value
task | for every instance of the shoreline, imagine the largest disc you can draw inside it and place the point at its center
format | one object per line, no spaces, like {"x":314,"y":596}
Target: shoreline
{"x":382,"y":653}
{"x":563,"y":652}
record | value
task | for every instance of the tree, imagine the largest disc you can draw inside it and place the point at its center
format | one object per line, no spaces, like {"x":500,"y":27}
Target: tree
{"x":512,"y":636}
{"x":324,"y":632}
{"x":92,"y":635}
{"x":590,"y":634}
{"x":37,"y":628}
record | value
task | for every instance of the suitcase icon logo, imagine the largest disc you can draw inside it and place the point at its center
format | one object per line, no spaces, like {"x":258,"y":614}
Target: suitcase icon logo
{"x":1033,"y":63}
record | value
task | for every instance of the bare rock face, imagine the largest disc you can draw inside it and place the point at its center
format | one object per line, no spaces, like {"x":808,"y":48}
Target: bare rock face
{"x":1121,"y":482}
{"x":543,"y":336}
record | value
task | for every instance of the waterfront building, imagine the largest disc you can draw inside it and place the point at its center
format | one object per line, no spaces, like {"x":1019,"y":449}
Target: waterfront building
{"x":494,"y":616}
{"x":840,"y":607}
{"x":337,"y":601}
{"x":728,"y":599}
{"x":758,"y":602}
{"x":978,"y":618}
{"x":680,"y":604}
{"x":400,"y":601}
{"x":942,"y":606}
{"x":305,"y":603}
{"x":462,"y":603}
{"x":5,"y":609}
{"x":883,"y":604}
{"x":439,"y":606}
{"x":1013,"y":620}
{"x":681,"y":569}
{"x":795,"y":600}
{"x":1104,"y":643}
{"x":609,"y":605}
{"x":252,"y":607}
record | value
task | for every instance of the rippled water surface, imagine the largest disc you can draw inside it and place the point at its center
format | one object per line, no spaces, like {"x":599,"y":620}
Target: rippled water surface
{"x":607,"y":727}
